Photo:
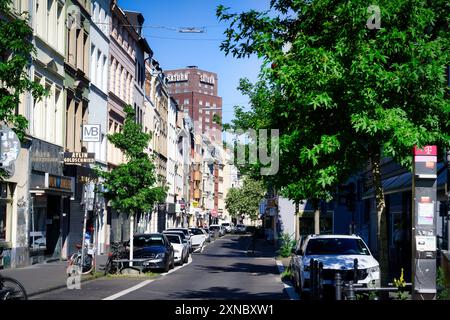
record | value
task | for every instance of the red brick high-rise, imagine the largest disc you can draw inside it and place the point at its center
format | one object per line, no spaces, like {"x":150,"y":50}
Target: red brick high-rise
{"x":195,"y":90}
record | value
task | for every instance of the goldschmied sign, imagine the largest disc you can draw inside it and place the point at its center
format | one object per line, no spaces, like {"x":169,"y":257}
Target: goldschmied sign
{"x":91,"y":133}
{"x":79,"y":157}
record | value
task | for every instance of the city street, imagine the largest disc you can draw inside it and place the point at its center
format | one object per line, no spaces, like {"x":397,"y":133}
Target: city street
{"x":222,"y":271}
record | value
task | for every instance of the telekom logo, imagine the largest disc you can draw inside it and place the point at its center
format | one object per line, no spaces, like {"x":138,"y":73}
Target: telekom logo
{"x":426,"y":151}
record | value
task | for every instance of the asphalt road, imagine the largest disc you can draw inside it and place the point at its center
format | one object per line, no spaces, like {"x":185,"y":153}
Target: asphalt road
{"x":222,"y":271}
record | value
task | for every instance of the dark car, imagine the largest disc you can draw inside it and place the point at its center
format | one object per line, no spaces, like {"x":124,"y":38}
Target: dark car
{"x":240,"y":228}
{"x":155,"y":247}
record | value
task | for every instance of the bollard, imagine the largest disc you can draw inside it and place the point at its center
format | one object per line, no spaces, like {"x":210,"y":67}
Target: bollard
{"x":320,"y":281}
{"x":351,"y":291}
{"x":338,"y":285}
{"x":316,"y":280}
{"x":312,"y":277}
{"x":355,"y":271}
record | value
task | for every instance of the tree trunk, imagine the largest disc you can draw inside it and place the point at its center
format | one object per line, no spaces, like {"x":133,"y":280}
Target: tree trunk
{"x":297,"y":225}
{"x":316,"y":217}
{"x":131,"y":238}
{"x":382,"y":241}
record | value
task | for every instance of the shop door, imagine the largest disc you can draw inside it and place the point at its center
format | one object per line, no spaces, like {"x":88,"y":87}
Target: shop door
{"x":53,"y":227}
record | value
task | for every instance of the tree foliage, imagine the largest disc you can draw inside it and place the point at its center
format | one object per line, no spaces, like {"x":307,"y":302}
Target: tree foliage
{"x":16,"y":52}
{"x":132,"y":186}
{"x":245,"y":200}
{"x":344,"y":95}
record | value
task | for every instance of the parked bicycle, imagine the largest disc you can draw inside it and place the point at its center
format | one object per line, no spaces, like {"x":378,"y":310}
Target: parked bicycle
{"x":75,"y":261}
{"x":112,"y":266}
{"x":11,"y":289}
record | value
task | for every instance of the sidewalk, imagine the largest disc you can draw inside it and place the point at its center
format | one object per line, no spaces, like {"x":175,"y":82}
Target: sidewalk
{"x":41,"y":278}
{"x":262,"y":248}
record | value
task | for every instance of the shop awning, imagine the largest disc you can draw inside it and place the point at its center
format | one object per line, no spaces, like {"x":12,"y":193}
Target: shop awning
{"x":403,"y":182}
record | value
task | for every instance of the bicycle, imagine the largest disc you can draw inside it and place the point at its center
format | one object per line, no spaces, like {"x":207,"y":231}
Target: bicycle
{"x":11,"y":289}
{"x":113,"y":267}
{"x":74,"y":262}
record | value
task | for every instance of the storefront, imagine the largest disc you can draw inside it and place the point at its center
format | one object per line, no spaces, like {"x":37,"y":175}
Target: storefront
{"x":49,"y":216}
{"x":6,"y":202}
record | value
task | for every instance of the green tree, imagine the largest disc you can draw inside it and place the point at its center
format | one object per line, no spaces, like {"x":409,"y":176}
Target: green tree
{"x":245,"y":200}
{"x":132,"y":186}
{"x":16,"y":52}
{"x":344,"y":95}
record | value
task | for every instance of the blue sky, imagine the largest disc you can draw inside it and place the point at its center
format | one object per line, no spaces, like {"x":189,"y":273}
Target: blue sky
{"x":177,"y":50}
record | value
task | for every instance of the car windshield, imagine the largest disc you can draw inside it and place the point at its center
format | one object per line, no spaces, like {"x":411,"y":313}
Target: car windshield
{"x":225,"y":224}
{"x":173,"y":238}
{"x":181,"y":234}
{"x":214,"y":227}
{"x":183,"y":230}
{"x":337,"y":246}
{"x":196,"y":231}
{"x":148,"y":241}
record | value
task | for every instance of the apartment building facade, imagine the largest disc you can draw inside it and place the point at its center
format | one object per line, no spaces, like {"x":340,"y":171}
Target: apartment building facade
{"x":98,"y":108}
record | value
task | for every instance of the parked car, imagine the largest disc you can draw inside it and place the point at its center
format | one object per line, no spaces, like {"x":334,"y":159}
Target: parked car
{"x":187,"y":234}
{"x":198,"y":237}
{"x":181,"y":250}
{"x":184,"y":240}
{"x":240,"y":228}
{"x":219,"y":228}
{"x":157,"y":248}
{"x":227,"y":227}
{"x":337,"y":253}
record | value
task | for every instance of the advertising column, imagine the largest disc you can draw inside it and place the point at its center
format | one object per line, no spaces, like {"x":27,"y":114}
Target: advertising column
{"x":424,"y":223}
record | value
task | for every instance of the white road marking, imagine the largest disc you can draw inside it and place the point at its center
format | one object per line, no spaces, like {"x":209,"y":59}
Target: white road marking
{"x":144,"y":283}
{"x":289,"y":289}
{"x":127,"y":291}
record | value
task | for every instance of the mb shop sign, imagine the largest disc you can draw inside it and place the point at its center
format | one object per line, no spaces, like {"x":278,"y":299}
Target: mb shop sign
{"x":91,"y":133}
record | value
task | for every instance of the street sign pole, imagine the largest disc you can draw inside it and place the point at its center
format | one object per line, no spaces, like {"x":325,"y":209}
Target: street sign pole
{"x":84,"y":226}
{"x":423,"y":233}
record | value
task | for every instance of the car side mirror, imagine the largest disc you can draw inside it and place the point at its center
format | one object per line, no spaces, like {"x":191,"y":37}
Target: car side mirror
{"x":300,"y":252}
{"x":293,"y":250}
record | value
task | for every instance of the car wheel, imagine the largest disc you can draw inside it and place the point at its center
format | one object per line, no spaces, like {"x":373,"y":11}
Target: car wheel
{"x":172,"y":265}
{"x":167,"y":267}
{"x":186,"y":258}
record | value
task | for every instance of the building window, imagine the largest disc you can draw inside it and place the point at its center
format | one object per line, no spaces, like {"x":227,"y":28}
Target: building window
{"x":6,"y":193}
{"x":105,"y":74}
{"x":94,"y":63}
{"x":186,"y":101}
{"x":60,"y":28}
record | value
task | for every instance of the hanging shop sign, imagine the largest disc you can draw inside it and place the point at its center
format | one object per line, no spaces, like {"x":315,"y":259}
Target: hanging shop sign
{"x":59,"y":182}
{"x":91,"y":133}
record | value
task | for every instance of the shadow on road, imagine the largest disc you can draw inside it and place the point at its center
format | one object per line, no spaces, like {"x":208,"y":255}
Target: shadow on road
{"x":220,"y":293}
{"x":253,"y":268}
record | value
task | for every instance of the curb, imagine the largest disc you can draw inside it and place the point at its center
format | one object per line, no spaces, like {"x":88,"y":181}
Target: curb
{"x":62,"y":286}
{"x":289,"y":288}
